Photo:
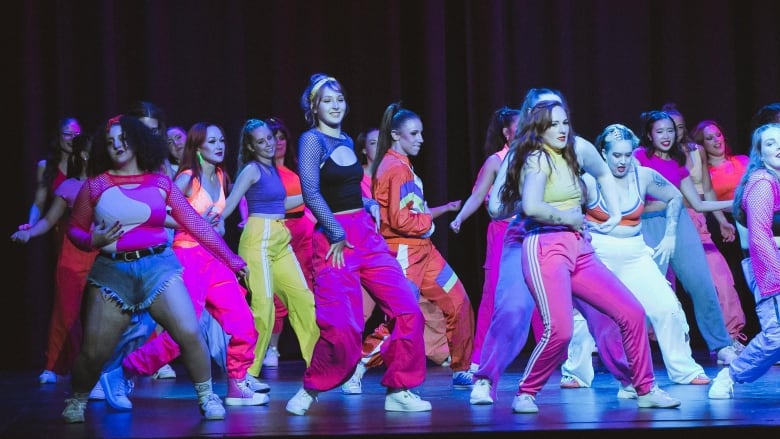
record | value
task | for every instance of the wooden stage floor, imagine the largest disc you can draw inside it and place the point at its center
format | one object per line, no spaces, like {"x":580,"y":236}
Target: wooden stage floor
{"x":168,"y":409}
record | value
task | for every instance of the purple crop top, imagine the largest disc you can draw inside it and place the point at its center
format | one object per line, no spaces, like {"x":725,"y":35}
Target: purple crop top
{"x":267,"y":195}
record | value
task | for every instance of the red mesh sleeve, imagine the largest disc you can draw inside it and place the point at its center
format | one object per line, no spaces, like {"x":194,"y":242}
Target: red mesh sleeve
{"x":80,"y":223}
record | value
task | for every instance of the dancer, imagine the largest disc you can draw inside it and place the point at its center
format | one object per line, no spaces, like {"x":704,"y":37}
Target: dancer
{"x":177,"y":137}
{"x":349,"y":252}
{"x":210,"y":283}
{"x":366,"y":149}
{"x":265,"y":244}
{"x":625,"y":253}
{"x":500,"y":133}
{"x":73,"y":264}
{"x":662,"y":152}
{"x":696,"y":162}
{"x":756,"y":203}
{"x":121,"y":210}
{"x":407,"y":225}
{"x":544,"y":169}
{"x":515,"y":310}
{"x":53,"y":169}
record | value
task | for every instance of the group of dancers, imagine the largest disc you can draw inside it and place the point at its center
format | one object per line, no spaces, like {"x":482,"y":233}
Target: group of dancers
{"x":583,"y":243}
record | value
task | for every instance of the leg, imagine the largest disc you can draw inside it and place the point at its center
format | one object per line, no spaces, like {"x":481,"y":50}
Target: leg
{"x":256,"y":247}
{"x":293,"y":291}
{"x":510,"y":323}
{"x":104,"y":322}
{"x":174,"y":311}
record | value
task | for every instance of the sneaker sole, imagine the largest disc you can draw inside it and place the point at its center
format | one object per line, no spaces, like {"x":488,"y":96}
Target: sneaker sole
{"x":480,"y":401}
{"x":263,"y":400}
{"x":164,"y":377}
{"x":73,"y":420}
{"x":352,"y":392}
{"x":398,"y":408}
{"x":720,"y":396}
{"x":296,"y":412}
{"x":658,"y":406}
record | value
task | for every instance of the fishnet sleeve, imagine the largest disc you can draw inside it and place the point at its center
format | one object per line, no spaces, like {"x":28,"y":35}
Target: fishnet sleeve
{"x":760,"y":198}
{"x":80,"y":223}
{"x":310,"y":154}
{"x":192,"y":222}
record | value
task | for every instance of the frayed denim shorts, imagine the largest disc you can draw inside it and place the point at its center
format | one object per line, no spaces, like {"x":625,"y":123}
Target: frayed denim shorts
{"x":135,"y":284}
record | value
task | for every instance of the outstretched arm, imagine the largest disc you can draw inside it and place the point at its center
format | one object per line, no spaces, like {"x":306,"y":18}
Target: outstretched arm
{"x":485,"y":179}
{"x":57,"y":209}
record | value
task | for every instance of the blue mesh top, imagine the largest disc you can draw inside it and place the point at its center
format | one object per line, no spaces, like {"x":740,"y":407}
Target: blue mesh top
{"x":342,"y":183}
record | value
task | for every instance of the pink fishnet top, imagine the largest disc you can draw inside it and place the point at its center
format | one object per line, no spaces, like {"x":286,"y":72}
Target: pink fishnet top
{"x":761,"y":199}
{"x":139,"y":203}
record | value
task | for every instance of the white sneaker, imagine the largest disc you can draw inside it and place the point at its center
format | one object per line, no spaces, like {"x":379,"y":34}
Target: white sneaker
{"x":257,"y":385}
{"x":211,"y":407}
{"x":727,"y":355}
{"x":97,"y":393}
{"x":524,"y":403}
{"x":47,"y":377}
{"x":722,"y":386}
{"x":352,"y":387}
{"x":271,"y":359}
{"x":627,"y":392}
{"x":480,"y":393}
{"x":164,"y":373}
{"x":300,"y":402}
{"x":405,"y":401}
{"x":657,"y":399}
{"x":116,"y":388}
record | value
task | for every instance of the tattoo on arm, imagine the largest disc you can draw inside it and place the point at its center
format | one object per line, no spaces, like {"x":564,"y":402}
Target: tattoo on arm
{"x":659,"y":180}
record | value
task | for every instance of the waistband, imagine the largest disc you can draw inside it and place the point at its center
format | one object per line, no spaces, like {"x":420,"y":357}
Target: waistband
{"x":135,"y":254}
{"x":292,"y":215}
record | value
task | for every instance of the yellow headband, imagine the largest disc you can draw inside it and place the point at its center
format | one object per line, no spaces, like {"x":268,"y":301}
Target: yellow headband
{"x":317,"y":85}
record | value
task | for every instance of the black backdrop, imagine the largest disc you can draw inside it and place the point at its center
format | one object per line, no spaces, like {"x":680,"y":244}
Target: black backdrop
{"x":453,"y":62}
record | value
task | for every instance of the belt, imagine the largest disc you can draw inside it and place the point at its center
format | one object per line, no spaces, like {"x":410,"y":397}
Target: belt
{"x":135,"y":254}
{"x":292,"y":215}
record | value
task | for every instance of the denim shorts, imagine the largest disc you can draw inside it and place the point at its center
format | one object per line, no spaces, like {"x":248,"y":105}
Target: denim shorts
{"x":135,"y":284}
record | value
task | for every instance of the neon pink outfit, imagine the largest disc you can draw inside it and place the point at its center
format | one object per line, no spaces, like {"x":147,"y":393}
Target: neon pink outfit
{"x":559,"y":266}
{"x":332,"y":192}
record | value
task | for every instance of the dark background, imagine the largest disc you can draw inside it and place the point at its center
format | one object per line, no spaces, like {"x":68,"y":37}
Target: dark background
{"x":453,"y":62}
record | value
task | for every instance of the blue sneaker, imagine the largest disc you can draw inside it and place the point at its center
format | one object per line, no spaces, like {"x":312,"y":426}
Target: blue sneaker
{"x":462,"y":380}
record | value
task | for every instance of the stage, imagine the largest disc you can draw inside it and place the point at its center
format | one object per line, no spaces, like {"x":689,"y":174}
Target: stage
{"x":168,"y":409}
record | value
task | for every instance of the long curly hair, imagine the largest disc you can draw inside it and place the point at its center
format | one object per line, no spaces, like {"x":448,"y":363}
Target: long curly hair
{"x":150,"y":149}
{"x":530,"y":140}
